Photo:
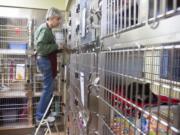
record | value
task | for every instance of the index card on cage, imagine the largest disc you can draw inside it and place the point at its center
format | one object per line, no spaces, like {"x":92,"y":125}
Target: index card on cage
{"x":20,"y":71}
{"x":59,"y":38}
{"x":82,"y":87}
{"x":83,"y":22}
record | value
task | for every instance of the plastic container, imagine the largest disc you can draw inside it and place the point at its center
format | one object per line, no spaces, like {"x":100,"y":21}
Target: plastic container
{"x":18,"y":46}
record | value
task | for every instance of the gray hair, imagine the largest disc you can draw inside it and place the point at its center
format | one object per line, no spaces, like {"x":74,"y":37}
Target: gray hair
{"x":52,"y":12}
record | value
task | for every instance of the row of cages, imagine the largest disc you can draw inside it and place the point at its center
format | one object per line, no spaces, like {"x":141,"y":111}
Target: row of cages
{"x":112,"y":18}
{"x":122,"y":15}
{"x":21,"y":82}
{"x":138,"y":92}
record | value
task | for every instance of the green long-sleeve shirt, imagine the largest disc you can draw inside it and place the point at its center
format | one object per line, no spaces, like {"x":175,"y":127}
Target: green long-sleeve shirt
{"x":44,"y":40}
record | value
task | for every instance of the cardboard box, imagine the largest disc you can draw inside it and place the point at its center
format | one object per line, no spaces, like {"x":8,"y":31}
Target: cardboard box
{"x":157,"y":126}
{"x":121,"y":127}
{"x":20,"y":72}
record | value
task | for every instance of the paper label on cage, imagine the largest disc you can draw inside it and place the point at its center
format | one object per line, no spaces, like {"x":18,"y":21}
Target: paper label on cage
{"x":20,"y":71}
{"x":59,"y":38}
{"x":82,"y":87}
{"x":83,"y":22}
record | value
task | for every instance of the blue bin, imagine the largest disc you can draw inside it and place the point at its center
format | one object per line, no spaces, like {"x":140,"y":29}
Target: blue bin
{"x":22,"y":46}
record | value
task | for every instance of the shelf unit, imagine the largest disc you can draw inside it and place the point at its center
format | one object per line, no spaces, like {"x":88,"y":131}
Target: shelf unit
{"x":15,"y":108}
{"x":19,"y":93}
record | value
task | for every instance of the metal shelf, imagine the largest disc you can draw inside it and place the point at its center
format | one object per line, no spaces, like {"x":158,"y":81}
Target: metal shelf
{"x":13,"y":94}
{"x":12,"y":52}
{"x":17,"y":125}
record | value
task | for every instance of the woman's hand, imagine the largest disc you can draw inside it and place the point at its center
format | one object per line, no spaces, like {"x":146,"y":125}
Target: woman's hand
{"x":67,"y":50}
{"x":63,"y":48}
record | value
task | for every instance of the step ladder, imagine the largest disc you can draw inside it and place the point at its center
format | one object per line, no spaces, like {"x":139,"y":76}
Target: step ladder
{"x":44,"y":121}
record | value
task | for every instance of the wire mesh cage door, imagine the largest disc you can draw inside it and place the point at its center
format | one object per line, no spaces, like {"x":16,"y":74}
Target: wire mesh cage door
{"x":140,"y":90}
{"x":82,"y":67}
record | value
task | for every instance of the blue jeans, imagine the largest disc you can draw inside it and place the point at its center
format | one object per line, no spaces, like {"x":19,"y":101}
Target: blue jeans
{"x":44,"y":66}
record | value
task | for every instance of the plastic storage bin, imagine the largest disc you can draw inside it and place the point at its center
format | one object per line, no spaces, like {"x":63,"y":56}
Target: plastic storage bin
{"x":22,"y":46}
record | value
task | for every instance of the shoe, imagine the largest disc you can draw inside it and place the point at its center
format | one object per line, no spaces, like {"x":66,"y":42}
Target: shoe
{"x":51,"y":119}
{"x":37,"y":123}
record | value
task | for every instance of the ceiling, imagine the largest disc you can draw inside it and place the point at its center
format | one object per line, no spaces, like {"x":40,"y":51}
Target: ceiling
{"x":42,"y":4}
